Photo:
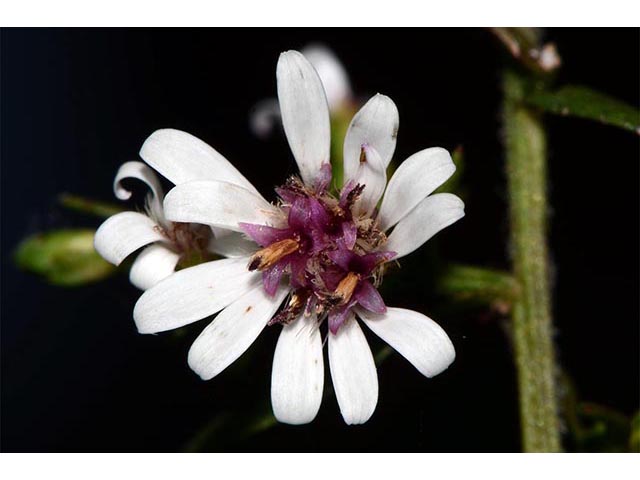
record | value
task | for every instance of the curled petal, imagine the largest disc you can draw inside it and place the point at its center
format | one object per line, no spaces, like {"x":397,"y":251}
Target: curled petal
{"x":305,"y":114}
{"x":416,"y":177}
{"x":429,"y":217}
{"x":192,"y":294}
{"x":376,"y":125}
{"x":297,"y":377}
{"x":233,"y":331}
{"x":353,"y":373}
{"x":124,"y":233}
{"x":155,"y":263}
{"x":141,"y":172}
{"x":415,"y":336}
{"x":220,"y":204}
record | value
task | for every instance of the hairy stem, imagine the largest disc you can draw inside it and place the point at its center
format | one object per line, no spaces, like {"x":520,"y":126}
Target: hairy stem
{"x":532,"y":323}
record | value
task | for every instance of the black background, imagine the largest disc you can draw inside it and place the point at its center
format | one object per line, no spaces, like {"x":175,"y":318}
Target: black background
{"x":77,"y":103}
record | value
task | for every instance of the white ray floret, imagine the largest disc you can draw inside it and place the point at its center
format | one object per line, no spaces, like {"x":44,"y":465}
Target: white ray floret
{"x":305,"y":113}
{"x":297,"y":377}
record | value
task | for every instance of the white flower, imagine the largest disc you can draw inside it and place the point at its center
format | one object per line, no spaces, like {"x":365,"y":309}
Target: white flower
{"x":167,"y":243}
{"x":335,"y":81}
{"x":325,"y":254}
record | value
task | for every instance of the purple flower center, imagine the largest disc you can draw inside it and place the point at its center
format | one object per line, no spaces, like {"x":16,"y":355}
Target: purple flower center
{"x":331,"y":256}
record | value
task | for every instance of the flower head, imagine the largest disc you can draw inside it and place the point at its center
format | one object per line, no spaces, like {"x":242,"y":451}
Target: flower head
{"x":167,"y":243}
{"x":318,"y":255}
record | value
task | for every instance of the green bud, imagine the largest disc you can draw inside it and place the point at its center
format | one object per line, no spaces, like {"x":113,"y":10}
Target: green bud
{"x":63,"y":257}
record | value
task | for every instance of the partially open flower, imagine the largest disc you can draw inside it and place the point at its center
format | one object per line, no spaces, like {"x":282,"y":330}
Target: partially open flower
{"x":171,"y":244}
{"x":318,"y":256}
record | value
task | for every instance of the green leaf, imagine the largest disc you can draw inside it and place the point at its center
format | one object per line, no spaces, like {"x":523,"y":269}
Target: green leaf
{"x":603,"y":429}
{"x":227,"y":429}
{"x":63,"y":257}
{"x":478,"y":284}
{"x":634,"y":438}
{"x":86,"y":205}
{"x":583,"y":102}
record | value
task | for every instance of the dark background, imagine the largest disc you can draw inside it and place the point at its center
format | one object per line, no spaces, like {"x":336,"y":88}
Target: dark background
{"x":77,"y":103}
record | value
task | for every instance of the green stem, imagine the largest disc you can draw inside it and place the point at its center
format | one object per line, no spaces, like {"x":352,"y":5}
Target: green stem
{"x":87,"y":205}
{"x":532,"y":324}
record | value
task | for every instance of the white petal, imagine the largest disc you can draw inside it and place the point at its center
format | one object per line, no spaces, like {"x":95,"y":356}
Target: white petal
{"x":353,"y":373}
{"x":429,"y":217}
{"x":298,"y":372}
{"x":181,"y":157}
{"x":376,"y":124}
{"x":192,"y":294}
{"x":220,"y":204}
{"x":416,"y":177}
{"x":233,"y":331}
{"x":124,"y":233}
{"x":332,"y":74}
{"x":155,"y":263}
{"x":305,"y":114}
{"x":372,"y":174}
{"x":231,"y":244}
{"x":414,"y":336}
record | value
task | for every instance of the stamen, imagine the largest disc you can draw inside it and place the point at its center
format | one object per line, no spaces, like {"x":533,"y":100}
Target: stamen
{"x":292,"y":310}
{"x":353,"y":196}
{"x":345,"y":288}
{"x":269,"y":256}
{"x":363,"y":155}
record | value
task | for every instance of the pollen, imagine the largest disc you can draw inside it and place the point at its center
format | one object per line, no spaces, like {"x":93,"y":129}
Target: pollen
{"x":345,"y":288}
{"x":269,"y":256}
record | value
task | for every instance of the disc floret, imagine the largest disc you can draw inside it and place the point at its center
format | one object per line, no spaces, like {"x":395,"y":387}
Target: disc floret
{"x":329,"y":251}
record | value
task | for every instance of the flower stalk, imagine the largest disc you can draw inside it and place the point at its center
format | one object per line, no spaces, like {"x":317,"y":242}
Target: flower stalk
{"x":525,"y":143}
